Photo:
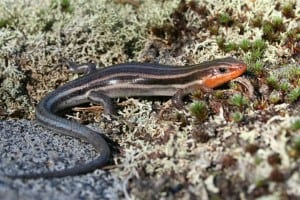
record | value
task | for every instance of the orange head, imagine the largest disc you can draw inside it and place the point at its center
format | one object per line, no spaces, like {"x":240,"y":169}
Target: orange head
{"x":222,"y":71}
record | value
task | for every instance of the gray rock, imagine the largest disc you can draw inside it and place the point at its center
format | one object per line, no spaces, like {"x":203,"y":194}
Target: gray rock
{"x":27,"y":147}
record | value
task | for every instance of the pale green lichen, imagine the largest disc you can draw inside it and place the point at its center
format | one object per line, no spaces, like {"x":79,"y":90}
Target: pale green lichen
{"x":102,"y":31}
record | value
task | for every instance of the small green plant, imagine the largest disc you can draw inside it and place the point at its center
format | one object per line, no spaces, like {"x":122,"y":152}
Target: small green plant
{"x":48,"y":25}
{"x":245,"y":45}
{"x":225,"y":19}
{"x":256,"y":52}
{"x":294,"y":95}
{"x":273,"y":82}
{"x":296,"y":144}
{"x":295,"y":126}
{"x":64,"y":5}
{"x":274,"y":97}
{"x":277,"y":24}
{"x":288,"y":10}
{"x":260,"y":183}
{"x":237,"y":116}
{"x":294,"y":73}
{"x":272,"y":29}
{"x":221,"y":42}
{"x":284,"y":87}
{"x":219,"y":94}
{"x":4,"y":23}
{"x":214,"y":30}
{"x":231,"y":46}
{"x":254,"y":67}
{"x":294,"y":150}
{"x":257,"y":21}
{"x":258,"y":160}
{"x":199,"y":109}
{"x":256,"y":55}
{"x":268,"y":30}
{"x":238,"y":100}
{"x":259,"y":45}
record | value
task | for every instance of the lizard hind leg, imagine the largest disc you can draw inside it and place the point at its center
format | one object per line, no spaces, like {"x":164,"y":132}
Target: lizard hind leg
{"x":104,"y":100}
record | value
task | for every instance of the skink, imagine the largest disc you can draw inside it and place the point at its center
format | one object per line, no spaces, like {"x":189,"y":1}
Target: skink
{"x":123,"y":80}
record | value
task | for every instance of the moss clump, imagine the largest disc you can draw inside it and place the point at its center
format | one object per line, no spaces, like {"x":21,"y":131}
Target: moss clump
{"x":257,"y":21}
{"x":294,"y":150}
{"x":231,"y":46}
{"x":295,"y":126}
{"x":284,"y":87}
{"x":257,"y":67}
{"x":267,"y":29}
{"x":254,"y":56}
{"x":272,"y":29}
{"x":225,"y":19}
{"x":64,"y":5}
{"x":273,"y":82}
{"x":294,"y":95}
{"x":238,"y":100}
{"x":259,"y":45}
{"x":221,"y":42}
{"x":255,"y":48}
{"x":245,"y":45}
{"x":199,"y":109}
{"x":237,"y":117}
{"x":278,"y":24}
{"x":292,"y":41}
{"x":288,"y":10}
{"x":5,"y":22}
{"x":275,"y":97}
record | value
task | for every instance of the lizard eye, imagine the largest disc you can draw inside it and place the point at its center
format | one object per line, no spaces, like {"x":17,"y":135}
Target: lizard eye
{"x":222,"y":70}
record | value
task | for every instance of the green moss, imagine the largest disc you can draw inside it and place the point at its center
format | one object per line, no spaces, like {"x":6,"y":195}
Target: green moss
{"x":237,"y":116}
{"x":257,"y":21}
{"x":238,"y":100}
{"x":267,"y":29}
{"x":5,"y":22}
{"x":296,"y":142}
{"x":225,"y":19}
{"x":256,"y":48}
{"x":259,"y":45}
{"x":294,"y":95}
{"x":294,"y":150}
{"x":273,"y":82}
{"x":256,"y":68}
{"x":294,"y":73}
{"x":245,"y":45}
{"x":48,"y":25}
{"x":260,"y":183}
{"x":199,"y":109}
{"x":295,"y":126}
{"x":258,"y":160}
{"x":230,"y":47}
{"x":63,"y":5}
{"x":214,"y":30}
{"x":274,"y":97}
{"x":288,"y":10}
{"x":277,"y":24}
{"x":284,"y":87}
{"x":272,"y":29}
{"x":253,"y":58}
{"x":221,"y":42}
{"x":219,"y":94}
{"x":255,"y":65}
